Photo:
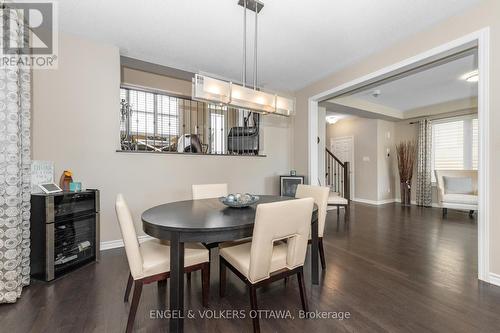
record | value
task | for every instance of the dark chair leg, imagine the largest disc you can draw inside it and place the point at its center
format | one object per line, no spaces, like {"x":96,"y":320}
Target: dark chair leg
{"x":322,"y":253}
{"x":222,"y":278}
{"x":253,"y":306}
{"x":205,"y":283}
{"x":188,"y":276}
{"x":302,"y":287}
{"x":346,"y":213}
{"x":445,"y":212}
{"x":133,"y":307}
{"x":162,"y":283}
{"x":286,"y":280}
{"x":338,"y":213}
{"x":129,"y":286}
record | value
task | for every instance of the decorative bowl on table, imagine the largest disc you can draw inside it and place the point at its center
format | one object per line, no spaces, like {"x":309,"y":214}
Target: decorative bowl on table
{"x":239,"y":200}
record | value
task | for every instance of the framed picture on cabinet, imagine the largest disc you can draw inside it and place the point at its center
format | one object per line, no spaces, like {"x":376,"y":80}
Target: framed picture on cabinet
{"x":288,"y":185}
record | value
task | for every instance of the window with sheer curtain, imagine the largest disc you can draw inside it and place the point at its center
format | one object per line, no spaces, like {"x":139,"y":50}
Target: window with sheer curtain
{"x":455,"y":144}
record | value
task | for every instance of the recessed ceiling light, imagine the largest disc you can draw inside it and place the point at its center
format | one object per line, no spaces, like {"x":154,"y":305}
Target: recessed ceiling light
{"x":376,"y":93}
{"x":471,"y":76}
{"x":332,"y":119}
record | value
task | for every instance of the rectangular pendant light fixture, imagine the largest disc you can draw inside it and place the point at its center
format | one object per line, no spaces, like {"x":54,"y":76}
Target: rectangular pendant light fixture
{"x":212,"y":90}
{"x":285,"y":106}
{"x":247,"y":98}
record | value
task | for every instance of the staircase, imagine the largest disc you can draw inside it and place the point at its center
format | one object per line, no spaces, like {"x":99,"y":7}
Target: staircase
{"x":337,"y":176}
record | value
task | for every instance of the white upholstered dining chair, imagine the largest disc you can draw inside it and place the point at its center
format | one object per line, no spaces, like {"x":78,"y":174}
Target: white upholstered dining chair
{"x":320,"y":196}
{"x":208,"y":191}
{"x":150,"y":261}
{"x":267,"y":258}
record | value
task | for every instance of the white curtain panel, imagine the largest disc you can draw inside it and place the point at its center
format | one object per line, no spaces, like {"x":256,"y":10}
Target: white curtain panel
{"x":424,"y":170}
{"x":15,"y":161}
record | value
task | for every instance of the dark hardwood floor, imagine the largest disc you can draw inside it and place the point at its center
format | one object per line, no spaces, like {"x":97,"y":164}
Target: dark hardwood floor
{"x":393,"y":268}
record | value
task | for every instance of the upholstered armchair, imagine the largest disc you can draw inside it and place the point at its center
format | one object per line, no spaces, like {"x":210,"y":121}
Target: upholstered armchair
{"x":457,"y":189}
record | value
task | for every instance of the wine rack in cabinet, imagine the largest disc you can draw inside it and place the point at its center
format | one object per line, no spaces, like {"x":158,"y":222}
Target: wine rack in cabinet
{"x":64,"y":232}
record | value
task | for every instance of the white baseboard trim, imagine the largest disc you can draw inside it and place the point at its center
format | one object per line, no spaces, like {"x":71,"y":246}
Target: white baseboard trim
{"x":117,"y":243}
{"x":494,"y":279}
{"x":414,"y":202}
{"x":374,"y":202}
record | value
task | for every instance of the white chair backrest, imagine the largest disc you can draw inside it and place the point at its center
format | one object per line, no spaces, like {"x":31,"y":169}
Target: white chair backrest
{"x":207,"y":191}
{"x":440,"y":174}
{"x":276,"y":221}
{"x":320,"y":196}
{"x":129,"y":235}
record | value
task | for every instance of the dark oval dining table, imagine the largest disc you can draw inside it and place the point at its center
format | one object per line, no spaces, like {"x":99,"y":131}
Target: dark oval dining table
{"x":206,"y":221}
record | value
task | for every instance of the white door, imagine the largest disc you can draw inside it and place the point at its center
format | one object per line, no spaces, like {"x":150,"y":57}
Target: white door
{"x":343,"y":149}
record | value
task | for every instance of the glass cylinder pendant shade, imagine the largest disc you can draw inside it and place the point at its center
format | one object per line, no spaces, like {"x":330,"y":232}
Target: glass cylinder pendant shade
{"x":247,"y":98}
{"x":211,"y":90}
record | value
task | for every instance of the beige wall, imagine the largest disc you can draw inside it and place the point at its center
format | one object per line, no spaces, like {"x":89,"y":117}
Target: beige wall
{"x":76,"y":125}
{"x":374,"y":178}
{"x":385,"y":161}
{"x":364,"y":132}
{"x":160,"y":82}
{"x":485,"y":14}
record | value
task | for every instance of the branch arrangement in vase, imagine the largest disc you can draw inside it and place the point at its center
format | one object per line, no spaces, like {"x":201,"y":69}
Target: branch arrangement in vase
{"x":407,"y":153}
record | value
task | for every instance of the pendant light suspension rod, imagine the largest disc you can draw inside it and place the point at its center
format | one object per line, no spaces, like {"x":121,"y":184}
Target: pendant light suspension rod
{"x":255,"y":51}
{"x":212,"y":90}
{"x":244,"y":78}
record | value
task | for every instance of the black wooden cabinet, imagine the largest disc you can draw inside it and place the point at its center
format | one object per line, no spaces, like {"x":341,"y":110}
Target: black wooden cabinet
{"x":64,"y":232}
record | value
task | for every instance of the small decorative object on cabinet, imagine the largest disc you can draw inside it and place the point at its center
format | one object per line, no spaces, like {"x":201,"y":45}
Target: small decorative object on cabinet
{"x":75,"y":186}
{"x":42,"y":172}
{"x":64,"y":232}
{"x":288,"y":185}
{"x":66,"y":179}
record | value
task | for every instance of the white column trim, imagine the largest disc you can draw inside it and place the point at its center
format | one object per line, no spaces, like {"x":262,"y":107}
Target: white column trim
{"x":481,"y":39}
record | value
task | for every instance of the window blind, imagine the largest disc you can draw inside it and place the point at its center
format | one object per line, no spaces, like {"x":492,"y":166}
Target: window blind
{"x":155,"y":121}
{"x":475,"y":144}
{"x":455,"y":144}
{"x":448,"y":145}
{"x":168,"y":115}
{"x":147,"y":117}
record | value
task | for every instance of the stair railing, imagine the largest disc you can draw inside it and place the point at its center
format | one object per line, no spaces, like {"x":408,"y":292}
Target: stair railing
{"x":337,"y":175}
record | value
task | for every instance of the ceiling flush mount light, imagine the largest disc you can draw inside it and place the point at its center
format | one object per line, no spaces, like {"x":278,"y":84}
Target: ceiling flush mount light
{"x":213,"y":90}
{"x":471,"y":76}
{"x":332,"y":119}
